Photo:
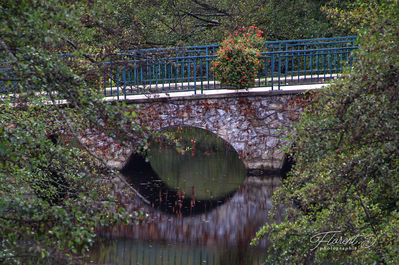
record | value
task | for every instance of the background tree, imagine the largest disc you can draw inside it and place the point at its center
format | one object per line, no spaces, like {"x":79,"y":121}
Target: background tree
{"x":195,"y":22}
{"x":347,"y":173}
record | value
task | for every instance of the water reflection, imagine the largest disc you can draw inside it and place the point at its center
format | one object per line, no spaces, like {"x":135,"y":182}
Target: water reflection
{"x":231,"y":225}
{"x":204,"y":209}
{"x":191,"y":175}
{"x":125,"y":252}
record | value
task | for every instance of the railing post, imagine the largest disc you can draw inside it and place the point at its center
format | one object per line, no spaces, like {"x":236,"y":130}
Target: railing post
{"x":104,"y":82}
{"x":110,"y":78}
{"x":195,"y":76}
{"x":124,"y":82}
{"x":286,"y":62}
{"x":279,"y":66}
{"x":279,"y":70}
{"x":272,"y":70}
{"x":117,"y":85}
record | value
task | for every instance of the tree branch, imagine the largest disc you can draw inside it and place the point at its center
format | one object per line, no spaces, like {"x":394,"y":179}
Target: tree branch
{"x":4,"y":45}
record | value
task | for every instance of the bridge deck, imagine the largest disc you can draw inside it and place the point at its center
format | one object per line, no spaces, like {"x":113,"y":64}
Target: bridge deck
{"x":217,"y":93}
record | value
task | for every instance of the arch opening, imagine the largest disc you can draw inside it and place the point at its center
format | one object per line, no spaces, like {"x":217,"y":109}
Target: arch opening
{"x":186,"y":171}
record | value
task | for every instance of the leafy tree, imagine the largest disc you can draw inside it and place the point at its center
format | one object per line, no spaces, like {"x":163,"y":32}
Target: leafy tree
{"x":54,"y":192}
{"x":346,"y":176}
{"x":352,"y":16}
{"x":195,"y":22}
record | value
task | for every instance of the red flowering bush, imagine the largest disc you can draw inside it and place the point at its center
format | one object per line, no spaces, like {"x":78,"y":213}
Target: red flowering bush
{"x":237,"y":63}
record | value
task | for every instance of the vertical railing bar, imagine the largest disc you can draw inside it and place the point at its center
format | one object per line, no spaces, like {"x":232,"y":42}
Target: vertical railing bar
{"x":311,"y":67}
{"x":111,"y":79}
{"x":136,"y":75}
{"x":319,"y":57}
{"x":214,"y":80}
{"x":182,"y":72}
{"x":104,"y":82}
{"x":207,"y":73}
{"x":324,"y":62}
{"x":124,"y":82}
{"x":329,"y":59}
{"x":170,"y":75}
{"x":151,"y":72}
{"x":279,"y":68}
{"x":117,"y":84}
{"x":158,"y":71}
{"x":292,"y":65}
{"x":299,"y":65}
{"x":333,"y":63}
{"x":141,"y":83}
{"x":304,"y":66}
{"x":130,"y":81}
{"x":188,"y":74}
{"x":195,"y":76}
{"x":164,"y":74}
{"x":176,"y":72}
{"x":266,"y":69}
{"x":286,"y":62}
{"x":272,"y":70}
{"x":259,"y":72}
{"x":338,"y":61}
{"x":201,"y":73}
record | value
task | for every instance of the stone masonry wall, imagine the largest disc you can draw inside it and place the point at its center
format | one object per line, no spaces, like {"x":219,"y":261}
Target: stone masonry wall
{"x":254,"y":125}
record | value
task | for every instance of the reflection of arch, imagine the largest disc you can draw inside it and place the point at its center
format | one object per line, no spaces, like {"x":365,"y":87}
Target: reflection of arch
{"x":232,"y":224}
{"x":207,"y":183}
{"x":138,"y":171}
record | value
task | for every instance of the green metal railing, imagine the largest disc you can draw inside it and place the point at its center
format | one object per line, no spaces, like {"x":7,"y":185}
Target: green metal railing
{"x":291,"y":62}
{"x":146,"y":71}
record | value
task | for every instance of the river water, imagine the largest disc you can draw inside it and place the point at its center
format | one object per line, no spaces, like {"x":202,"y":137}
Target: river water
{"x":204,"y":208}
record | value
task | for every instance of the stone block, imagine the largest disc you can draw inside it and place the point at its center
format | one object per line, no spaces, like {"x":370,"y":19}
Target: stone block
{"x":239,"y":146}
{"x":266,"y":155}
{"x":221,"y":112}
{"x":275,"y":106}
{"x":272,"y":141}
{"x":274,"y":124}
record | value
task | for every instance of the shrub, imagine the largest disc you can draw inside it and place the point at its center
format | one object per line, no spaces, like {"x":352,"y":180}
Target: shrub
{"x":237,"y":63}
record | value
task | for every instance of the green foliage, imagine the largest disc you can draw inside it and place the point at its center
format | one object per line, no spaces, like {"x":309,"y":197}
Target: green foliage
{"x":347,"y":150}
{"x":237,"y":63}
{"x":352,"y":16}
{"x":187,"y":22}
{"x":54,"y":195}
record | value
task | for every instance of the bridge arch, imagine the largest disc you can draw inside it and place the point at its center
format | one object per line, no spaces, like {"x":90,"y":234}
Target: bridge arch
{"x":255,"y":125}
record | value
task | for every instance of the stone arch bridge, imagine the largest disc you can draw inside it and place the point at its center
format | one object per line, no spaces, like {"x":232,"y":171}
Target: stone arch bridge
{"x":254,"y":124}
